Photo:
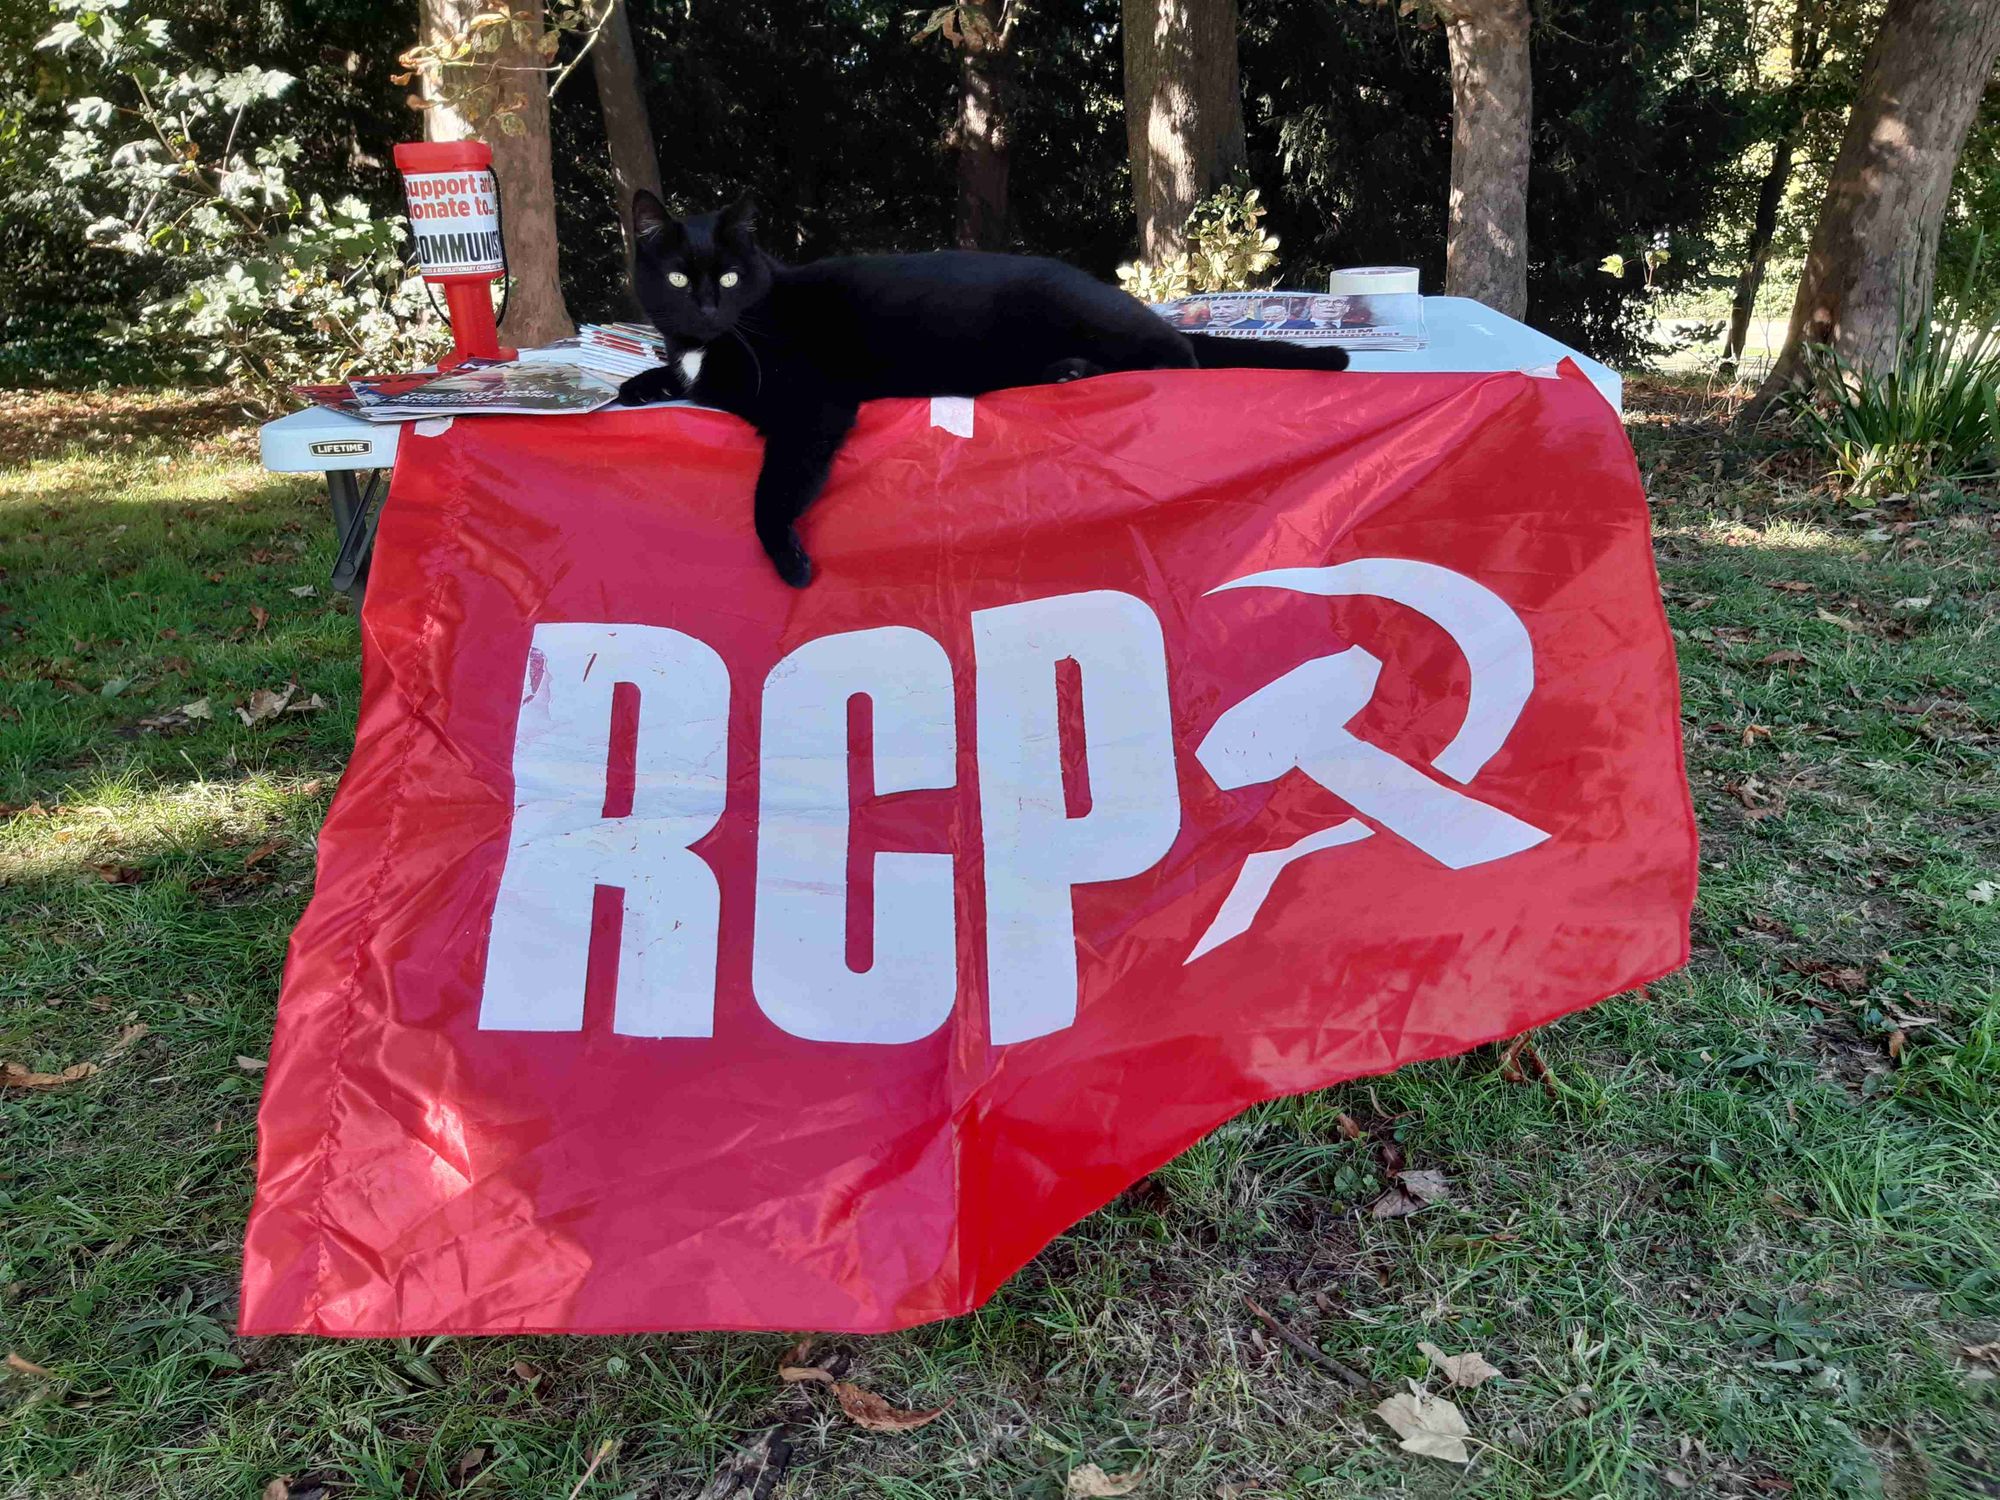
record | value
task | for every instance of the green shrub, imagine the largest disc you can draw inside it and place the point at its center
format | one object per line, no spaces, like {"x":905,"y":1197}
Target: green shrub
{"x":1228,"y":251}
{"x":1934,"y":414}
{"x":174,"y":169}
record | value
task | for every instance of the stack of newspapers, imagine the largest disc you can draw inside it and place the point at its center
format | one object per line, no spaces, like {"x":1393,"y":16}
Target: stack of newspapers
{"x":571,"y":376}
{"x":1353,"y":320}
{"x":620,"y":350}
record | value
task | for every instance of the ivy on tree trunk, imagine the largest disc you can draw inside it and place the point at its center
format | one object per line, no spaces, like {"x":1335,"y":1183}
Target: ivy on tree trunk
{"x":536,"y":313}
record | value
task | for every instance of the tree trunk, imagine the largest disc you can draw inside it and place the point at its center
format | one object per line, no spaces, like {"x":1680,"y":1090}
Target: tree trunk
{"x":1183,"y":112}
{"x":522,"y":163}
{"x":628,"y":130}
{"x":985,"y":65}
{"x":1873,"y":254}
{"x":1808,"y":50}
{"x":1763,"y":228}
{"x":1492,"y":113}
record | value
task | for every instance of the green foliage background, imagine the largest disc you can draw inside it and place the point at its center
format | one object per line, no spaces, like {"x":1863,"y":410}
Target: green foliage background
{"x":1652,"y":123}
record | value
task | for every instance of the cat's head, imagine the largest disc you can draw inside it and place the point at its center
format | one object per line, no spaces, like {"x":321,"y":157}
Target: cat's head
{"x":694,"y":276}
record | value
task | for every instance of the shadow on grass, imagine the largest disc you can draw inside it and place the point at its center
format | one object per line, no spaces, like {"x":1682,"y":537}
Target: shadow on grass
{"x":48,"y":424}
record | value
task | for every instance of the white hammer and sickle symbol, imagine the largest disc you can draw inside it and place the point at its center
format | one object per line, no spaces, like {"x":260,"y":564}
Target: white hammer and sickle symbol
{"x":1299,"y":722}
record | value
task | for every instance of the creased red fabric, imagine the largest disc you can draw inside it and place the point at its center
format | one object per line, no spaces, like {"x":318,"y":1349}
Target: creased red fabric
{"x":419,"y":1174}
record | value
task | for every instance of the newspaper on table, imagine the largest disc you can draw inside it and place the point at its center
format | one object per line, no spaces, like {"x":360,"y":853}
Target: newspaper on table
{"x":571,"y":376}
{"x":1378,"y":320}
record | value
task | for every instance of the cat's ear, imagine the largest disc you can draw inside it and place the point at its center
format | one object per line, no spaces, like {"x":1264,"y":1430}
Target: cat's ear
{"x":649,"y":218}
{"x":739,"y":220}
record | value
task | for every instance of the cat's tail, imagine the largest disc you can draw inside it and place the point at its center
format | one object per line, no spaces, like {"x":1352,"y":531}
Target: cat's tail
{"x":1214,"y":352}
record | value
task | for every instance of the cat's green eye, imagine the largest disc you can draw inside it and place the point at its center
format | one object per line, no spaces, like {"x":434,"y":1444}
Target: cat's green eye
{"x":677,"y":278}
{"x":728,"y":278}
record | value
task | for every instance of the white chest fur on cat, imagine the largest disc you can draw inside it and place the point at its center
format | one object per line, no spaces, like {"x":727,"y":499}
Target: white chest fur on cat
{"x":690,"y":367}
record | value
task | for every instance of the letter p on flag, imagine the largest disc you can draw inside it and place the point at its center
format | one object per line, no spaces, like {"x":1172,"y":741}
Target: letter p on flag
{"x":1036,"y":853}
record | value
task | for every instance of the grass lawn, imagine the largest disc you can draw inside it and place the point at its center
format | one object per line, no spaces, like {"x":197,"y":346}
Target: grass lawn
{"x":1747,"y":1242}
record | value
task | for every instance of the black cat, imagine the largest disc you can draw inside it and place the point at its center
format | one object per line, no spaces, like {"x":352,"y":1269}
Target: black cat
{"x":795,"y":350}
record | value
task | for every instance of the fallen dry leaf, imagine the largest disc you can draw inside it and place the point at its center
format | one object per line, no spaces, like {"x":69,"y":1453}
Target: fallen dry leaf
{"x":22,"y":1366}
{"x":1410,"y":1193}
{"x":522,"y":1369}
{"x":1782,"y":659}
{"x":1759,"y":801}
{"x":754,"y":1472}
{"x":160,"y":723}
{"x":1755,"y":732}
{"x":1989,"y":1353}
{"x":1427,"y":1185}
{"x":199,"y":709}
{"x":1349,"y":1131}
{"x":303,"y":591}
{"x":277,"y":1489}
{"x":1464,"y":1370}
{"x":1792,"y":586}
{"x":262,"y":851}
{"x":127,"y":1036}
{"x":15,"y":1076}
{"x":1428,"y":1425}
{"x":119,"y":874}
{"x":258,"y":1065}
{"x":265,"y":704}
{"x":867,"y":1410}
{"x":469,"y":1460}
{"x":1897,"y":1039}
{"x":261,"y":615}
{"x":1842,"y":621}
{"x":1088,"y":1480}
{"x":1846,"y":978}
{"x":797,"y":1374}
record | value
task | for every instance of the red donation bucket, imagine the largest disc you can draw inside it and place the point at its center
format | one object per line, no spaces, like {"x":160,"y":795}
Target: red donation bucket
{"x":454,"y":206}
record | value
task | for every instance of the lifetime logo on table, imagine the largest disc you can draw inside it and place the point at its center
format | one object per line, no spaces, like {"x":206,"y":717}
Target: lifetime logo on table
{"x":562,"y":845}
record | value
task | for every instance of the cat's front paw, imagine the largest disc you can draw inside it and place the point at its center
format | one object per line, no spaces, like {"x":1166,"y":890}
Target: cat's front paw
{"x":646,"y":387}
{"x":790,"y":559}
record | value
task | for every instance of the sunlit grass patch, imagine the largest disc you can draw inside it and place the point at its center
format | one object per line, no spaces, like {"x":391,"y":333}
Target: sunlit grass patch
{"x":123,"y":823}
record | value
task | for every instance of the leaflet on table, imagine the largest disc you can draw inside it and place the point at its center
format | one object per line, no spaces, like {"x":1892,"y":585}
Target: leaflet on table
{"x":1376,"y":321}
{"x":620,"y":350}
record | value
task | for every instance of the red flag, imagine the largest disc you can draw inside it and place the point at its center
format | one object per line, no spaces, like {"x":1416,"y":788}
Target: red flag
{"x":688,"y":952}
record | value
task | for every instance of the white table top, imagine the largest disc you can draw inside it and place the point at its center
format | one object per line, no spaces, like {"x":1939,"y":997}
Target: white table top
{"x":1464,"y":335}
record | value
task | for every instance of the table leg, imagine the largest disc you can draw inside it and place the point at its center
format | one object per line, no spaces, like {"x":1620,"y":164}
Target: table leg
{"x":355,"y":511}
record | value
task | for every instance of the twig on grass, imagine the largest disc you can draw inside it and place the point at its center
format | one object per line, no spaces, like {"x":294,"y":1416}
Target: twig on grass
{"x":1520,"y":1051}
{"x":1311,"y":1351}
{"x":604,"y":1450}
